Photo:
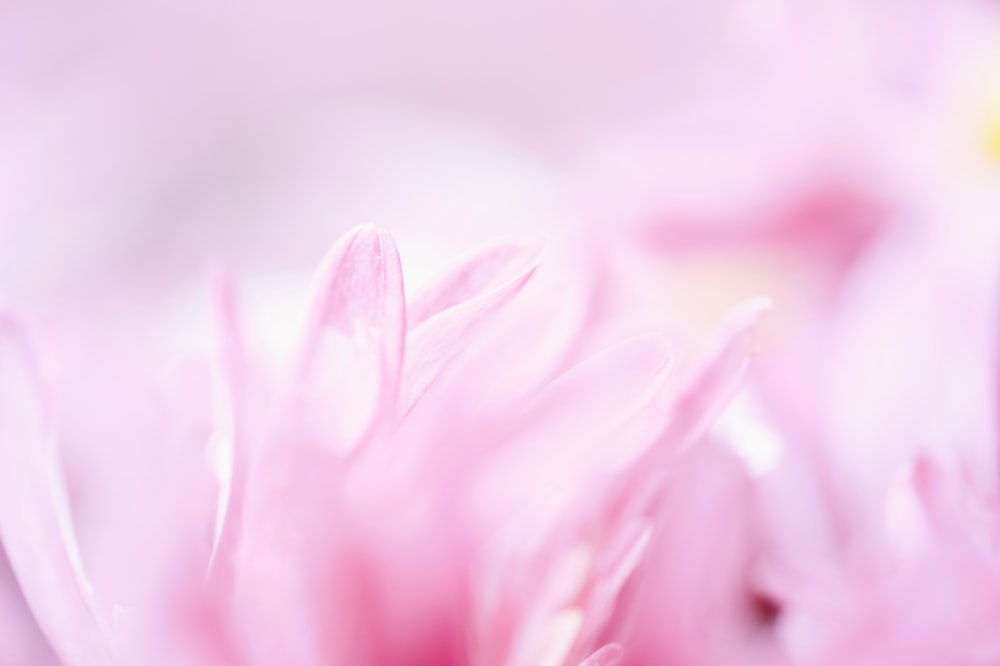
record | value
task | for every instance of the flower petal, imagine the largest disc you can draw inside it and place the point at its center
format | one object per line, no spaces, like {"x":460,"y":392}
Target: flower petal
{"x":485,"y":272}
{"x":591,"y":406}
{"x":609,"y":655}
{"x":438,"y":340}
{"x":716,"y":375}
{"x":35,"y":522}
{"x":353,"y":349}
{"x":228,"y":440}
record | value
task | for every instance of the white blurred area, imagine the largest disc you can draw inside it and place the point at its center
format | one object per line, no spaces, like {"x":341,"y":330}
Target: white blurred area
{"x":158,"y":137}
{"x":144,"y":144}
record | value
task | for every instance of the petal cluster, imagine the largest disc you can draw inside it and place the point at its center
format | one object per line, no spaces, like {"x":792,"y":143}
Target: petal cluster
{"x":451,"y":478}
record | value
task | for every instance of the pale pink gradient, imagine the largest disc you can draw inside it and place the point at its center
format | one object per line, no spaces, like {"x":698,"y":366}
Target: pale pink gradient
{"x":520,"y":460}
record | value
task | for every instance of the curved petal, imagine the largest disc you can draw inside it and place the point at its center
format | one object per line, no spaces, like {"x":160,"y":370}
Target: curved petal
{"x":589,"y":408}
{"x":228,"y":441}
{"x":438,"y":340}
{"x":609,"y":655}
{"x":485,"y":272}
{"x":717,"y":374}
{"x":35,"y":522}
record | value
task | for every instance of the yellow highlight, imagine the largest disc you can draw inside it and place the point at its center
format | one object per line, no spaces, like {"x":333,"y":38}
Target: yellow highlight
{"x":978,"y":101}
{"x":993,"y":134}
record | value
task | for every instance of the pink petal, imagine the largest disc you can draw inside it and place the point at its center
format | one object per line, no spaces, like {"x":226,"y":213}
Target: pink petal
{"x":717,"y":374}
{"x":587,"y":408}
{"x":609,"y":655}
{"x":229,"y":407}
{"x":21,"y":639}
{"x":34,"y":515}
{"x":690,"y":605}
{"x":431,"y":345}
{"x":486,"y":272}
{"x":353,"y":349}
{"x":535,"y":498}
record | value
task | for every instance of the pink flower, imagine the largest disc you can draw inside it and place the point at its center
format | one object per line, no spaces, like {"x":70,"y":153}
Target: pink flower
{"x":876,"y":512}
{"x":435,"y":479}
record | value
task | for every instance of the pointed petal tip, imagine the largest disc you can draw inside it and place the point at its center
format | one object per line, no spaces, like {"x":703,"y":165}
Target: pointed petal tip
{"x":368,"y":232}
{"x":718,"y":372}
{"x":652,"y":352}
{"x":657,"y":348}
{"x":360,"y":278}
{"x":609,"y":655}
{"x":739,"y":330}
{"x":493,"y":270}
{"x":353,"y":345}
{"x":358,"y":240}
{"x":525,"y":257}
{"x":530,"y":252}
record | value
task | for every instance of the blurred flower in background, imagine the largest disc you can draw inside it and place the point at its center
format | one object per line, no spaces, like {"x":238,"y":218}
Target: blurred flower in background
{"x":674,"y":159}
